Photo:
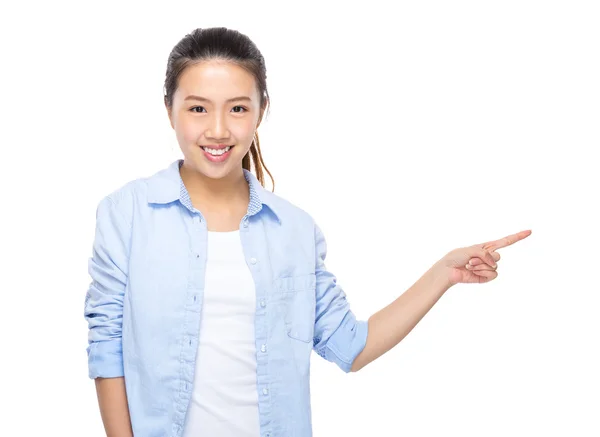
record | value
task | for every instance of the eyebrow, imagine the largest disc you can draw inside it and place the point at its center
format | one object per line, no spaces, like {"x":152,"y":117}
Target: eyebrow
{"x":204,"y":99}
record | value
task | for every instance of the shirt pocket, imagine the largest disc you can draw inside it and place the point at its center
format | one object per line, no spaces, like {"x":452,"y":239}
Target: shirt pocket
{"x":297,"y":294}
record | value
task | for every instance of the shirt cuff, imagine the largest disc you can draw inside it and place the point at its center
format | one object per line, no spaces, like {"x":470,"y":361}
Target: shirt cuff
{"x":347,"y":342}
{"x":105,"y":359}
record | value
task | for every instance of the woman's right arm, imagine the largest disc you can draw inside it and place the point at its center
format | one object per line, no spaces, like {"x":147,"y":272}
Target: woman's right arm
{"x":108,"y":268}
{"x":113,"y":406}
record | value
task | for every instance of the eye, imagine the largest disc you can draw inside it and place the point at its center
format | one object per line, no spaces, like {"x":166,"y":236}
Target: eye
{"x":245,"y":110}
{"x":237,"y":112}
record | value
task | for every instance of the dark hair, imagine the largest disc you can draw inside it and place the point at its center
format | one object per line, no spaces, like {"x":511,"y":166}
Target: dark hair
{"x":221,"y":43}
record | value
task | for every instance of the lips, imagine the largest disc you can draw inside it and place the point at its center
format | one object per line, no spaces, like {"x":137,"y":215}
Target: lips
{"x":217,"y":157}
{"x":216,"y":147}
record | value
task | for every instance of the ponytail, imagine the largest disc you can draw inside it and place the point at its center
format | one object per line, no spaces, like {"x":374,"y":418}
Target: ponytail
{"x":257,"y":160}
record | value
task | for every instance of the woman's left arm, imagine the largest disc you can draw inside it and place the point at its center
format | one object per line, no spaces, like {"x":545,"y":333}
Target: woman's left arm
{"x":473,"y":264}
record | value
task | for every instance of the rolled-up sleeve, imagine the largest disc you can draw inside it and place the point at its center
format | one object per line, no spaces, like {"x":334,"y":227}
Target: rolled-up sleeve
{"x":339,"y":337}
{"x":108,"y":268}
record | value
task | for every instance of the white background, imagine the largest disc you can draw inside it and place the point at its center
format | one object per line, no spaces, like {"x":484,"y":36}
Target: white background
{"x":406,"y":130}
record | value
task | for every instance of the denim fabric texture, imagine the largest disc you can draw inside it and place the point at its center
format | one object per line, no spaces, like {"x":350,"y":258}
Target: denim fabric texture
{"x":143,"y":305}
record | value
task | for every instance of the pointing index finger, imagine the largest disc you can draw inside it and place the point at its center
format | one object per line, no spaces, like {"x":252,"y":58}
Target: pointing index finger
{"x":506,"y":241}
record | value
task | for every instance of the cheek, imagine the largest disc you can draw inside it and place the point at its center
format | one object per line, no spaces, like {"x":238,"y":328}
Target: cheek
{"x":243,"y":132}
{"x":187,"y":133}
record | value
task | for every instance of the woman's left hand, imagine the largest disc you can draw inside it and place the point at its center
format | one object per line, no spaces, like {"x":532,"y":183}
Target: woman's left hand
{"x":477,"y":263}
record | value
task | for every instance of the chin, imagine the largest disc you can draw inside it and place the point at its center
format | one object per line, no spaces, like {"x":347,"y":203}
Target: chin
{"x":213,"y":170}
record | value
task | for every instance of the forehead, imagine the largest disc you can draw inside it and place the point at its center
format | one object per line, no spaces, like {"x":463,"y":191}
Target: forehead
{"x":216,"y":80}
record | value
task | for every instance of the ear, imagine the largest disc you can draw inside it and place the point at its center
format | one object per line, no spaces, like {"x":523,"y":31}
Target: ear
{"x":262,"y":111}
{"x":170,"y":115}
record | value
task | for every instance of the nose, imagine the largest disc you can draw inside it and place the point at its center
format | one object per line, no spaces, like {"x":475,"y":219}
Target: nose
{"x":217,"y":127}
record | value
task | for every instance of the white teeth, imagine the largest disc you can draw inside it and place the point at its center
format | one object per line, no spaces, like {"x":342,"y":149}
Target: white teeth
{"x":217,"y":152}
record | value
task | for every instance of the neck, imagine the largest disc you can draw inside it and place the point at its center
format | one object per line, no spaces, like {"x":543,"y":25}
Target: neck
{"x":216,"y":192}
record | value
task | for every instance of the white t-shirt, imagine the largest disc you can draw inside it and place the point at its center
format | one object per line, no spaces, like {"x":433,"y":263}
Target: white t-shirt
{"x":224,"y":398}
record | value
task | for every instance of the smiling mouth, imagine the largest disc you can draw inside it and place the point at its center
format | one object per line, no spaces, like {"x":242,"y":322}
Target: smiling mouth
{"x":217,"y":152}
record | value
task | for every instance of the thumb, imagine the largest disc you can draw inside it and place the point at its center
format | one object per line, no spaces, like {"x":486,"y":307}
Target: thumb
{"x":478,"y":252}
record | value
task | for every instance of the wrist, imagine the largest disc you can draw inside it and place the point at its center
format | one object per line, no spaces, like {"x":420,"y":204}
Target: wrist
{"x":439,"y":276}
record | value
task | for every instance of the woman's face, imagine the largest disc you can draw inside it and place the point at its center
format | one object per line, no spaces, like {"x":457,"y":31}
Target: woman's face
{"x":204,"y":113}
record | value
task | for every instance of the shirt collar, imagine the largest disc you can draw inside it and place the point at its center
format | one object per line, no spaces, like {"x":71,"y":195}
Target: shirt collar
{"x":167,"y":186}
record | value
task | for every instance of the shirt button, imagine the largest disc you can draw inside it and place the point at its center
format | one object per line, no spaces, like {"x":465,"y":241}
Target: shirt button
{"x":265,"y":391}
{"x":252,"y":260}
{"x":263,"y":348}
{"x":245,"y":224}
{"x":263,"y":303}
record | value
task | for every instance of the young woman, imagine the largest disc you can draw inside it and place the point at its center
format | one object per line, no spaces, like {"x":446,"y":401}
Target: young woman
{"x":209,"y":292}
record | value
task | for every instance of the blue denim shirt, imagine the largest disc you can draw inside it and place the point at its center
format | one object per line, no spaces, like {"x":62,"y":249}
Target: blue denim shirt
{"x":143,"y":305}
